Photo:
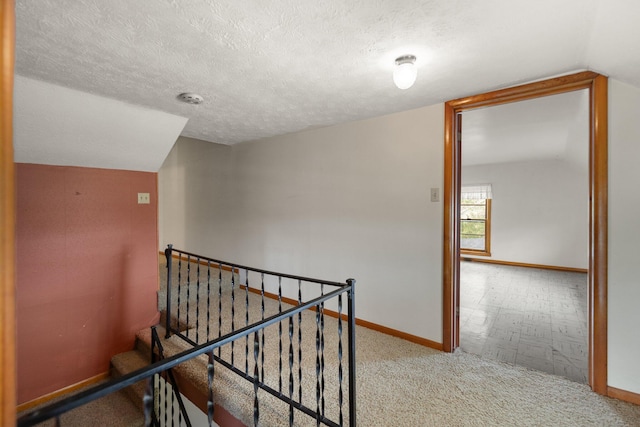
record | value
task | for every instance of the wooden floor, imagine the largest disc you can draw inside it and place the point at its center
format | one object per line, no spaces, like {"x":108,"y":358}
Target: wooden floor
{"x":526,"y":316}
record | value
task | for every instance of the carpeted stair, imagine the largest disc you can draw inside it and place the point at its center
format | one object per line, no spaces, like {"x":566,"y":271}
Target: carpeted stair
{"x":187,"y":374}
{"x":124,"y":363}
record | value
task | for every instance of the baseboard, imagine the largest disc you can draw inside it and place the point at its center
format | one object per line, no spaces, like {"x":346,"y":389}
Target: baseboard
{"x":201,"y":262}
{"x":522,"y":264}
{"x":66,"y":390}
{"x":365,"y":324}
{"x":624,"y":395}
{"x":399,"y":334}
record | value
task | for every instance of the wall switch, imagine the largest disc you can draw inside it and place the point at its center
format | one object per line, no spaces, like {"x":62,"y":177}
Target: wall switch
{"x":143,"y":199}
{"x":435,"y":194}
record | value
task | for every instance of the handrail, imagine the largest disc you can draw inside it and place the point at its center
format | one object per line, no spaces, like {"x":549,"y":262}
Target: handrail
{"x":112,"y":386}
{"x":257,"y":270}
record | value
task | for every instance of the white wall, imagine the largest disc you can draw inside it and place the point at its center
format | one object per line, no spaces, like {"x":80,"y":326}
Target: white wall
{"x":539,"y":210}
{"x":346,"y":201}
{"x":624,"y":229}
{"x":193,"y":185}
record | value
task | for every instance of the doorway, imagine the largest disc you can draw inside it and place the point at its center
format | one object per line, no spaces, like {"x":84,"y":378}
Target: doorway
{"x":597,"y":285}
{"x":524,"y":233}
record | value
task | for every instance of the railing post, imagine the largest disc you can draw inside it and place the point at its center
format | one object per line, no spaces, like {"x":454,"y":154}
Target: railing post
{"x":167,"y":254}
{"x":351,"y":310}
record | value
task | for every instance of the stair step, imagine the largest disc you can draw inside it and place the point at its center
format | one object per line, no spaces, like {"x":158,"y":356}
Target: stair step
{"x":191,"y":375}
{"x":124,"y":363}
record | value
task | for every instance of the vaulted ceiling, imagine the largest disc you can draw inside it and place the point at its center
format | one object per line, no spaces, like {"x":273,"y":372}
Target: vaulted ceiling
{"x":270,"y":68}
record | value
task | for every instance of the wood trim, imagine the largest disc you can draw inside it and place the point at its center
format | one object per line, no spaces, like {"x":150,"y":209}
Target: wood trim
{"x":554,"y":86}
{"x":487,"y":230}
{"x":396,"y":333}
{"x":450,"y":253}
{"x":598,"y":234}
{"x":522,"y":264}
{"x":598,"y":206}
{"x":624,"y":395}
{"x":201,"y":262}
{"x":369,"y":325}
{"x":487,"y":234}
{"x":7,"y":222}
{"x":63,"y":391}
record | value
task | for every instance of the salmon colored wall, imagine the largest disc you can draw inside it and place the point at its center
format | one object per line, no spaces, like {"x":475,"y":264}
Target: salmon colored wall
{"x":87,"y":258}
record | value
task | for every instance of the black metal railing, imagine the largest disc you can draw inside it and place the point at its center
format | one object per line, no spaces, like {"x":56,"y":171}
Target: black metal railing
{"x":165,"y":391}
{"x":210,"y":328}
{"x":206,"y":298}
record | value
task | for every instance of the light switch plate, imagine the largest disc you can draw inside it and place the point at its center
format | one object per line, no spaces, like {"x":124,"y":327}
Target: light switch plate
{"x":435,"y":194}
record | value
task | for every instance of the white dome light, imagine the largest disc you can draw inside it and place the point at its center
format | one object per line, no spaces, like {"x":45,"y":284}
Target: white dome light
{"x":405,"y":73}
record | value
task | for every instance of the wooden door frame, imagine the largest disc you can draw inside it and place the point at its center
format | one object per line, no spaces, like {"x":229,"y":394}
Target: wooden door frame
{"x":7,"y":221}
{"x":598,"y":202}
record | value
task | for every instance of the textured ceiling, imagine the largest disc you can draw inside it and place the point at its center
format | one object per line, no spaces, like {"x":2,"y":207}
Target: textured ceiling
{"x":269,"y":68}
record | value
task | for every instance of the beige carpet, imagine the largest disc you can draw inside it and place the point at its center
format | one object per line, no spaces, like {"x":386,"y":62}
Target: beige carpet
{"x":404,"y":384}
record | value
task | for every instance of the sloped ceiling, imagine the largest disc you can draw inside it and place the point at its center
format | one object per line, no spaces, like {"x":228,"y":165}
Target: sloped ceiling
{"x":55,"y":125}
{"x":549,"y":128}
{"x":269,"y":68}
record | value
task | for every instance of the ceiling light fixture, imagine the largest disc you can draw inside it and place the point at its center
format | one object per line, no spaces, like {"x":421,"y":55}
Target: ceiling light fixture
{"x":191,"y":98}
{"x":405,"y":73}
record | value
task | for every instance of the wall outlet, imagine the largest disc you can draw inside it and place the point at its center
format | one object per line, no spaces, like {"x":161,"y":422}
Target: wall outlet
{"x":144,"y":199}
{"x":435,"y":194}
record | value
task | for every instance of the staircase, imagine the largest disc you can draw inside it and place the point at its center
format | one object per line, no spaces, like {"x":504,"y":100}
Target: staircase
{"x":191,"y":377}
{"x":267,"y":320}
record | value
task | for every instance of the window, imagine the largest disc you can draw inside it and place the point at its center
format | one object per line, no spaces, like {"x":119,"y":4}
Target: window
{"x":475,"y":220}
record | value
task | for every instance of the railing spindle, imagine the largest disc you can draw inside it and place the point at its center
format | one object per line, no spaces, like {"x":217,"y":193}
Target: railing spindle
{"x":246,"y":322}
{"x":256,"y":378}
{"x":198,"y":303}
{"x":179,"y":292}
{"x":340,"y":392}
{"x":219,"y":304}
{"x":322,"y":351}
{"x":169,"y":260}
{"x":299,"y":344}
{"x":166,"y":400}
{"x":188,"y":326}
{"x":156,"y":400}
{"x":318,"y":366}
{"x":291,"y":371}
{"x":280,"y":335}
{"x":233,"y":309}
{"x":173,"y":406}
{"x":208,"y":298}
{"x":148,"y":400}
{"x":210,"y":374}
{"x":262,"y":318}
